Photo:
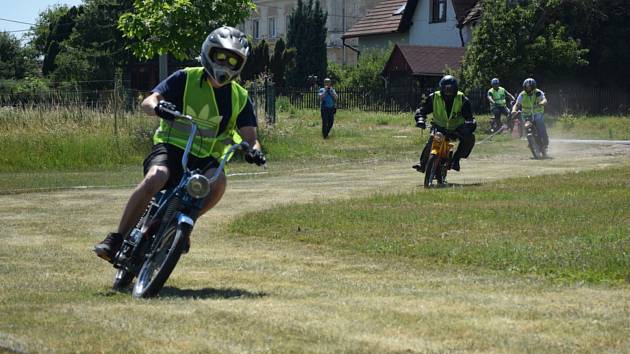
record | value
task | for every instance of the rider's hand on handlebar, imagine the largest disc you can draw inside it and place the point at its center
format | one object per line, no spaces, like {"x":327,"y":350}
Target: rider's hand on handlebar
{"x":471,"y":125}
{"x":420,"y":120}
{"x":160,"y":110}
{"x":255,"y":156}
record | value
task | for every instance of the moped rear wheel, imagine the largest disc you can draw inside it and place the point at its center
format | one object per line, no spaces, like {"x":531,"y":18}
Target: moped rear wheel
{"x":158,"y":267}
{"x":433,"y":171}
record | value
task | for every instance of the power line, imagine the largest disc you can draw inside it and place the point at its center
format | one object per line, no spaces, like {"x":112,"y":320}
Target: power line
{"x":15,"y":21}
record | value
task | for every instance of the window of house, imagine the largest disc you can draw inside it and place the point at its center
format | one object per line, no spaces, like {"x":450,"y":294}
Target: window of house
{"x":272,"y":27}
{"x":255,"y":29}
{"x":438,"y":11}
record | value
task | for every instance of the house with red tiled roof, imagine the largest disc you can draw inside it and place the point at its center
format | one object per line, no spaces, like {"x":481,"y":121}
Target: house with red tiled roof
{"x":430,"y":36}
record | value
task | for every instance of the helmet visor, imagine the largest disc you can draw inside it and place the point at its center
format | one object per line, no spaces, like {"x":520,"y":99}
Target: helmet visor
{"x":448,"y":90}
{"x":226,"y":58}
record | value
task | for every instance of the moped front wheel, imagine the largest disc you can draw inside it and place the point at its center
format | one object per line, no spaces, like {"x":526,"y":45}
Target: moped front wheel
{"x":433,"y":171}
{"x":534,"y":147}
{"x":158,"y":267}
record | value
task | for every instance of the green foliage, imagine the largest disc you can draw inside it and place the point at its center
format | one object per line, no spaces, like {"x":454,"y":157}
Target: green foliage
{"x":516,"y":41}
{"x":366,"y":74}
{"x":307,"y":34}
{"x":257,"y":63}
{"x":282,"y":61}
{"x":178,"y":27}
{"x":43,"y":26}
{"x":60,"y":22}
{"x":15,"y":62}
{"x":603,"y":28}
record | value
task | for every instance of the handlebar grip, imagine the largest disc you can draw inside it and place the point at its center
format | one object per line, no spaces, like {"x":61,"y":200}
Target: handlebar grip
{"x":245,"y":146}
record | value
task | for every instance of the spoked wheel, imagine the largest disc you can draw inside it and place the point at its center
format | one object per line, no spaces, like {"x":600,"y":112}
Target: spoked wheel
{"x":122,"y":280}
{"x":534,"y":147}
{"x":160,"y":264}
{"x":435,"y":171}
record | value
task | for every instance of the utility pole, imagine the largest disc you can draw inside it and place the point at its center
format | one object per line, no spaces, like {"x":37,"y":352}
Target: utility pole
{"x":343,"y":28}
{"x":163,"y":66}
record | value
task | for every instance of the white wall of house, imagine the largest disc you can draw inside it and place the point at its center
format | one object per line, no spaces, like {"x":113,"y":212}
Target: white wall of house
{"x":424,"y":32}
{"x":383,"y":41}
{"x":342,"y":14}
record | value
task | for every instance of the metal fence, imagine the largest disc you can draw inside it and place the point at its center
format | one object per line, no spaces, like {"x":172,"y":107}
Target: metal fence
{"x":575,"y":100}
{"x":561,"y":100}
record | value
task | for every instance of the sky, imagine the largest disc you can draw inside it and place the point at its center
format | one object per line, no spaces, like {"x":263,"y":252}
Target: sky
{"x":25,"y":11}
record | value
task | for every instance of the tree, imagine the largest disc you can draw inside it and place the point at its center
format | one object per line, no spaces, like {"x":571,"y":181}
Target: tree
{"x":43,"y":26}
{"x":15,"y":62}
{"x":60,"y":25}
{"x":283,"y":59}
{"x":603,"y":28}
{"x":178,"y":27}
{"x":307,"y":34}
{"x":367,"y":73}
{"x":96,"y":45}
{"x":257,"y":62}
{"x":516,"y":41}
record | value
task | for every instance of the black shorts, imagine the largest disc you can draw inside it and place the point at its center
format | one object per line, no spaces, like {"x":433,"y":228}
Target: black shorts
{"x":171,"y":156}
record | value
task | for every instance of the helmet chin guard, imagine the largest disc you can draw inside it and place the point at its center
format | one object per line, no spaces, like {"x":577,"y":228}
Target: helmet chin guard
{"x":229,"y":43}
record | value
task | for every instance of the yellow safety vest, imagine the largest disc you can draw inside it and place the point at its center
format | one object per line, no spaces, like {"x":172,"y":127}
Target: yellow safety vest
{"x":439,"y":111}
{"x":200,"y":103}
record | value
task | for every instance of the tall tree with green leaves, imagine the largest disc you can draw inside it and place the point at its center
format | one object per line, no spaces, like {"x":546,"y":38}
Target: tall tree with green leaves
{"x":60,"y":26}
{"x":307,"y":34}
{"x":283,"y":59}
{"x":178,"y":27}
{"x":16,"y":62}
{"x":603,"y":28}
{"x":96,"y":48}
{"x":515,"y":40}
{"x":257,"y":62}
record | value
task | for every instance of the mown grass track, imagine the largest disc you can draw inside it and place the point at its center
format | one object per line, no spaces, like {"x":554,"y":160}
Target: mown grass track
{"x":260,"y":294}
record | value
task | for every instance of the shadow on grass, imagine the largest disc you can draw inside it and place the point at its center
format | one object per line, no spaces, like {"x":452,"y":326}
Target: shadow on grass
{"x":209,"y":293}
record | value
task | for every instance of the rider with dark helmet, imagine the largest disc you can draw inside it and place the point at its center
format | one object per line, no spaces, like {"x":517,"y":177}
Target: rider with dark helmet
{"x":531,"y":103}
{"x":497,"y":96}
{"x":451,"y":113}
{"x":220,"y":107}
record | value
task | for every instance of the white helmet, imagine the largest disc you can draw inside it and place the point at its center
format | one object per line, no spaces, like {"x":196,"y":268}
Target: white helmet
{"x":224,"y":53}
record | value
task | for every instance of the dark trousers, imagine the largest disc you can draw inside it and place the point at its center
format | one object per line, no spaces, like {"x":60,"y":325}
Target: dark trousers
{"x":328,"y":118}
{"x":466,"y":144}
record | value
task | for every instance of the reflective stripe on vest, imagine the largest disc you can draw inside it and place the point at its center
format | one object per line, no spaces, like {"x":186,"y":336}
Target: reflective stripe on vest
{"x":200,"y":103}
{"x":439,"y":111}
{"x":498,"y":95}
{"x":529,"y":104}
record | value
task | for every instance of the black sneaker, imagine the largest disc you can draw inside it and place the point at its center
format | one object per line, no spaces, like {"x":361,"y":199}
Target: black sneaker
{"x":455,"y":165}
{"x":109,"y":246}
{"x":418,"y":167}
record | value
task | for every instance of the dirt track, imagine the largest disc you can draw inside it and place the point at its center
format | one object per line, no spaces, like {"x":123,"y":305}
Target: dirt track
{"x":347,"y":180}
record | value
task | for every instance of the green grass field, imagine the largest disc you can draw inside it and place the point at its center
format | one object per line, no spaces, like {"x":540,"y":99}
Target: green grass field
{"x":571,"y":227}
{"x":535,"y":264}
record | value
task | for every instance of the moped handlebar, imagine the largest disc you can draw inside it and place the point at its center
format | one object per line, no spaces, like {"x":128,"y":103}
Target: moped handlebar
{"x":243,"y":146}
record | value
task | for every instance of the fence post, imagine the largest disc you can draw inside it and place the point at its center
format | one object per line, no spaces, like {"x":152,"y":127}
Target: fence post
{"x":270,"y":102}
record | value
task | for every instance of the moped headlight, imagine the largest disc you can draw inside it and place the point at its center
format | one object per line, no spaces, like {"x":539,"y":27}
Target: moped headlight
{"x":438,"y":137}
{"x":198,"y":186}
{"x":528,"y":124}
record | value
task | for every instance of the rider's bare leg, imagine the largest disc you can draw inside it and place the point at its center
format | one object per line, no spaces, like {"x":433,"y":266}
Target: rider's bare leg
{"x":216,"y":191}
{"x":152,"y":183}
